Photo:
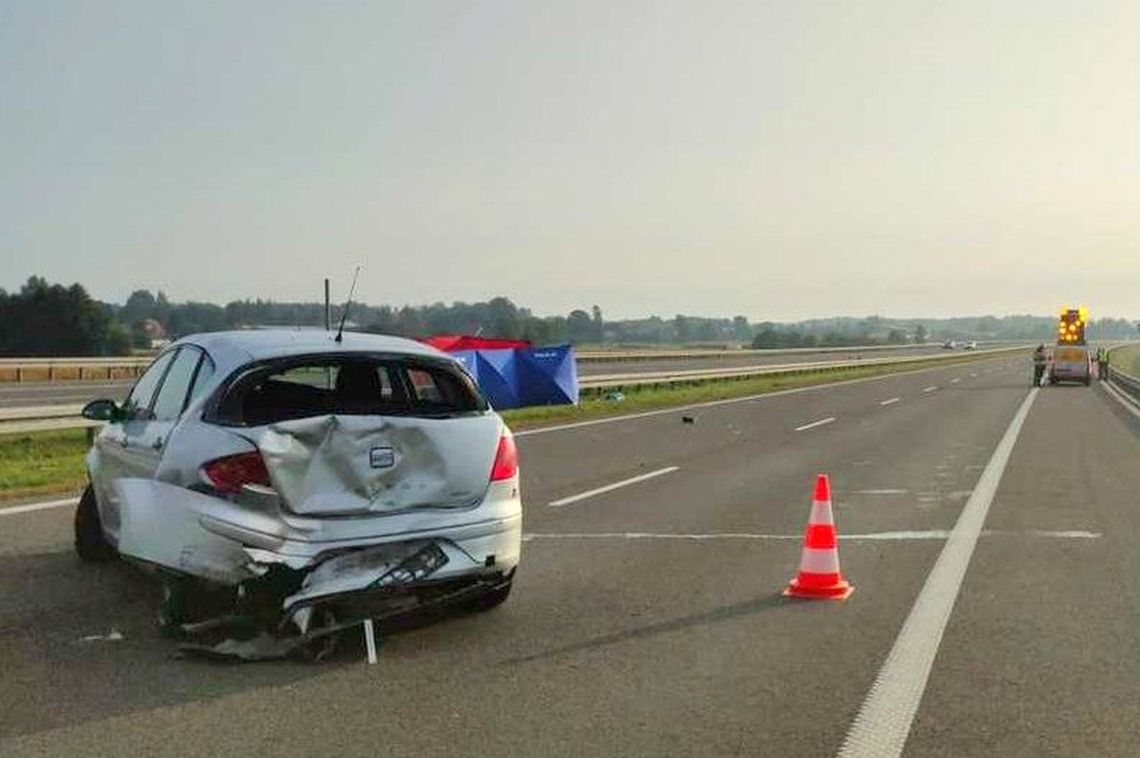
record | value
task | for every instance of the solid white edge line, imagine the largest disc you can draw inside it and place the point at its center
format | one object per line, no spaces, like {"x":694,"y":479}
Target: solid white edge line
{"x":933,"y":534}
{"x":697,"y":537}
{"x":611,"y":487}
{"x":884,"y":720}
{"x":890,"y":401}
{"x":814,"y":424}
{"x":37,"y":506}
{"x":729,"y":401}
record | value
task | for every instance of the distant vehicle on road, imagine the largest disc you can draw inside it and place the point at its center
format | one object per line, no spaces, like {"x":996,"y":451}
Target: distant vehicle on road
{"x":971,"y":345}
{"x":1072,"y":358}
{"x":309,"y":483}
{"x":1071,"y":363}
{"x":949,"y":345}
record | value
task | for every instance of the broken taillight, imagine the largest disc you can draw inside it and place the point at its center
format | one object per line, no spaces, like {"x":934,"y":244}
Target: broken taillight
{"x":506,"y":459}
{"x":231,"y":473}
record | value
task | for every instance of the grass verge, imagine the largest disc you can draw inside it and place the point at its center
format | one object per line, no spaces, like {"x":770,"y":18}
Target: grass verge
{"x":1127,"y":359}
{"x":43,"y":463}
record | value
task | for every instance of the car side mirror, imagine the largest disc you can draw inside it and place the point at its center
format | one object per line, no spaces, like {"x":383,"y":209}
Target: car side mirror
{"x":102,"y":410}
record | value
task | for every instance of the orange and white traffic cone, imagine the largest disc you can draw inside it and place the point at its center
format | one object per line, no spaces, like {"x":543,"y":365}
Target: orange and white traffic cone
{"x":819,"y":577}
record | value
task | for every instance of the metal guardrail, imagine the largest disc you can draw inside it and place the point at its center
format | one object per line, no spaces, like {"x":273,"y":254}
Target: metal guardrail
{"x":31,"y":419}
{"x":1121,"y":379}
{"x":65,"y":369}
{"x":1125,"y":382}
{"x":621,"y":381}
{"x":65,"y":361}
{"x":45,"y":418}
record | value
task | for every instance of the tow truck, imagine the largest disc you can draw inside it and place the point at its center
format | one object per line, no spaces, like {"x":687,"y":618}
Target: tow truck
{"x":1072,"y":361}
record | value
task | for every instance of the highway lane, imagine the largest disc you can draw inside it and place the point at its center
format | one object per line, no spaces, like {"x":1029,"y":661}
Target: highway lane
{"x":621,"y":640}
{"x":1047,"y":631}
{"x":14,"y":394}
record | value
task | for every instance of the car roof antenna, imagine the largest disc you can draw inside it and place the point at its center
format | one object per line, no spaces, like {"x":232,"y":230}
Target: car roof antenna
{"x":344,"y":314}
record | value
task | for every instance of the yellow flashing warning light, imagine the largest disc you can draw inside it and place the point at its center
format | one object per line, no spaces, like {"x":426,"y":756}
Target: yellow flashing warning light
{"x":1071,"y":328}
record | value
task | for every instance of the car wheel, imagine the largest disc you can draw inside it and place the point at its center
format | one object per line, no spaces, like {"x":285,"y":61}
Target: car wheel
{"x":90,"y":544}
{"x":174,"y":609}
{"x":492,"y":598}
{"x":187,"y":600}
{"x":324,"y":644}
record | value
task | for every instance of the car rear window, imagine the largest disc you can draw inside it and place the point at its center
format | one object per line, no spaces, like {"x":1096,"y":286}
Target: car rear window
{"x":352,"y":385}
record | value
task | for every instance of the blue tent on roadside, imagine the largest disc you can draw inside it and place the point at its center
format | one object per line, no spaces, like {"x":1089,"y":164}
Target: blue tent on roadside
{"x":516,"y":378}
{"x":547,"y":375}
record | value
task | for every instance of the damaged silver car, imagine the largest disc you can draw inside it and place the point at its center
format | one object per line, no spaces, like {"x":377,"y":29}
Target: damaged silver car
{"x":290,"y":485}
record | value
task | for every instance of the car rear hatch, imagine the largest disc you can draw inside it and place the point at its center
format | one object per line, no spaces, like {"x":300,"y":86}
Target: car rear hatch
{"x":345,"y":465}
{"x":347,"y":435}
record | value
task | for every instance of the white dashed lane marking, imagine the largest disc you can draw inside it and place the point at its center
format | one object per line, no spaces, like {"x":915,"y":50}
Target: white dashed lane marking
{"x":814,"y":424}
{"x":611,"y":487}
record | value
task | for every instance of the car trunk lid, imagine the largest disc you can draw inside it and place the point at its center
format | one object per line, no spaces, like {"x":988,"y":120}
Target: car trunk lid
{"x":345,"y":465}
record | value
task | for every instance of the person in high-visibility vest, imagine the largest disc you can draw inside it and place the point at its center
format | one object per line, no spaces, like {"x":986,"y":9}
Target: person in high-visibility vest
{"x":1039,"y":359}
{"x":1102,"y":364}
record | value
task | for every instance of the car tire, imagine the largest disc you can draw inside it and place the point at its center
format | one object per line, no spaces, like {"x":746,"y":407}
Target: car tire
{"x":90,"y":544}
{"x":492,"y":599}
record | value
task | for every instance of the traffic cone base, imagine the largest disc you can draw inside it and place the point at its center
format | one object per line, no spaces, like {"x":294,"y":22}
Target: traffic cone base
{"x":841,"y":590}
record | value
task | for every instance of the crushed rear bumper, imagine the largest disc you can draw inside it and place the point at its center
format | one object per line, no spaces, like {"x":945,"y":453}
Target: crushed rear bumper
{"x":292,"y":575}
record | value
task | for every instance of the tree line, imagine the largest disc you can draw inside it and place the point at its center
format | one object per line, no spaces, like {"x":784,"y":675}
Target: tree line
{"x":44,"y":319}
{"x":50,"y":319}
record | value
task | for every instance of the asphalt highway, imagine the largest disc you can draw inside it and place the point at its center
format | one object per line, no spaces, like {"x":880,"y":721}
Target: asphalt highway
{"x":27,"y":394}
{"x":647,"y":617}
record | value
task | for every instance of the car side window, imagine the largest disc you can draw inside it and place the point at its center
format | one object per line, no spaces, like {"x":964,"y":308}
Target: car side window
{"x":137,"y":404}
{"x":202,"y":378}
{"x":175,"y":387}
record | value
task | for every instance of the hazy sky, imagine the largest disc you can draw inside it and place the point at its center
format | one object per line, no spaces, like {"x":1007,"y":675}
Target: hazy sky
{"x":781,"y":160}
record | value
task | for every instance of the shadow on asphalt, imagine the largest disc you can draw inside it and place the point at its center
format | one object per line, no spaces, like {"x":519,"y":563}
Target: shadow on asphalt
{"x":726,"y":613}
{"x":80,"y":642}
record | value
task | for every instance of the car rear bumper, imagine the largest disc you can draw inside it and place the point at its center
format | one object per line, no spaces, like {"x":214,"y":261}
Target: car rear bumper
{"x":229,"y":542}
{"x":396,"y":568}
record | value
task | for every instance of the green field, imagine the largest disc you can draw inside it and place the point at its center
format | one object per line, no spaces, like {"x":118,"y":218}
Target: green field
{"x":41,"y":463}
{"x":1127,"y":359}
